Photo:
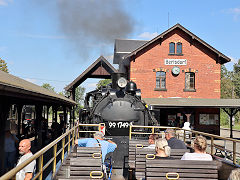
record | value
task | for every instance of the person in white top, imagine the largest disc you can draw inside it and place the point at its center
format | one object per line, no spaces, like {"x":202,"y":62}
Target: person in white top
{"x":27,"y":172}
{"x":200,"y":145}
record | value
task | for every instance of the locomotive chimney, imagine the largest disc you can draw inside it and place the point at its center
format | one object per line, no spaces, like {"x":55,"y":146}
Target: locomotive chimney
{"x":115,"y":78}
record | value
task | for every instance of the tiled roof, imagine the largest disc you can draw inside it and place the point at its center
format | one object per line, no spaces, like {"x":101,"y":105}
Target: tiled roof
{"x":223,"y":58}
{"x":123,"y":47}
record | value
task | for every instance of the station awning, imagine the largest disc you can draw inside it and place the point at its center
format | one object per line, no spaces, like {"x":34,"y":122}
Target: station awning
{"x":20,"y":89}
{"x":192,"y":102}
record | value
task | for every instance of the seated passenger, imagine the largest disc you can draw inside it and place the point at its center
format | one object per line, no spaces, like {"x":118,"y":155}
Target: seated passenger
{"x":151,"y":140}
{"x":162,"y":149}
{"x":235,"y":174}
{"x":173,"y":142}
{"x":200,"y":145}
{"x":106,"y":146}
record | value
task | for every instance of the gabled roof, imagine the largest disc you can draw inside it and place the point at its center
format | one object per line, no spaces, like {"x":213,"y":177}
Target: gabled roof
{"x":122,"y":47}
{"x":13,"y":86}
{"x":101,"y":68}
{"x":222,"y":57}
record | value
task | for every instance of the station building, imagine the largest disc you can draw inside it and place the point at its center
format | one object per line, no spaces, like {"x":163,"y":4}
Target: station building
{"x":179,"y":75}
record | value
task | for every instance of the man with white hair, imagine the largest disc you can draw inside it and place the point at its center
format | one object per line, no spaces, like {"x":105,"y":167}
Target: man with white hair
{"x":106,"y":146}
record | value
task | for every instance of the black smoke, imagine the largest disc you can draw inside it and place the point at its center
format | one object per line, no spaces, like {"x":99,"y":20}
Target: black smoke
{"x":89,"y":24}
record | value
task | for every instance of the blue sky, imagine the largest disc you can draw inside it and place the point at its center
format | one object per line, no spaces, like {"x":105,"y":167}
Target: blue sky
{"x":55,"y":41}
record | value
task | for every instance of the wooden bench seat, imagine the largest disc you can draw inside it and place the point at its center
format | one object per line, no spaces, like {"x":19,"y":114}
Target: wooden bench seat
{"x":132,"y":150}
{"x":140,"y":165}
{"x":83,"y":163}
{"x":186,"y":170}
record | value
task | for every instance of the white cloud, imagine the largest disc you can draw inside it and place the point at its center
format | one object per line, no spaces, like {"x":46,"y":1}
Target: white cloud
{"x":91,"y":85}
{"x":234,"y":11}
{"x":109,"y":58}
{"x":31,"y":80}
{"x":148,"y":35}
{"x":5,"y":2}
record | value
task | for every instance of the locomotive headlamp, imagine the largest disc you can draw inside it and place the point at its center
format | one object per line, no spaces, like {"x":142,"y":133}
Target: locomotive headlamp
{"x":122,"y":82}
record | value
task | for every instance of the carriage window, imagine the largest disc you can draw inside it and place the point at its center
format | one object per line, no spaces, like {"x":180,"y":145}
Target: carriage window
{"x":189,"y":80}
{"x":179,"y":48}
{"x":161,"y":79}
{"x":171,"y":48}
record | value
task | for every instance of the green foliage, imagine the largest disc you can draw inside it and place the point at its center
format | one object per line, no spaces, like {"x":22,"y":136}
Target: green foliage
{"x":230,"y":89}
{"x":48,"y":86}
{"x":3,"y":66}
{"x":237,"y":118}
{"x":79,"y":97}
{"x":224,"y":118}
{"x":65,"y":93}
{"x":236,"y":79}
{"x":226,"y":83}
{"x":61,"y":93}
{"x":104,"y":82}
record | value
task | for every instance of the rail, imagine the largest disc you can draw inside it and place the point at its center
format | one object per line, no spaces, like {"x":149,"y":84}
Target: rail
{"x":70,"y":135}
{"x":155,"y":130}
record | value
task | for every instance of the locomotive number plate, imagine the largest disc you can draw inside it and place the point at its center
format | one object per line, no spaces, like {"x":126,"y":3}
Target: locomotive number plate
{"x":119,"y":124}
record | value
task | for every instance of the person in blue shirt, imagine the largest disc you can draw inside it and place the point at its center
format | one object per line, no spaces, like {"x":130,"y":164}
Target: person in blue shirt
{"x":106,"y":146}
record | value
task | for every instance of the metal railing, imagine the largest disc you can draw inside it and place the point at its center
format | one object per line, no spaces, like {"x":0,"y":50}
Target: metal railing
{"x":70,"y":135}
{"x":213,"y":138}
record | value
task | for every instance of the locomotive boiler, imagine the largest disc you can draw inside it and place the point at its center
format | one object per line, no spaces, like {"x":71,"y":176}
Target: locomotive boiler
{"x":118,"y":105}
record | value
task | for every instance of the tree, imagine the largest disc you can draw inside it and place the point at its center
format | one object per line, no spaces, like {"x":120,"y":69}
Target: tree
{"x":48,"y":86}
{"x":79,"y":97}
{"x":226,"y":92}
{"x":65,"y":93}
{"x":104,"y":82}
{"x":236,"y":82}
{"x":3,"y":66}
{"x":230,"y":88}
{"x":226,"y":83}
{"x":236,"y":79}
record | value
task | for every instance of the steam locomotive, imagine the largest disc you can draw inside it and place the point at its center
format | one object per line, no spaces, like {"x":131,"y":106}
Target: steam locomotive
{"x":118,"y":106}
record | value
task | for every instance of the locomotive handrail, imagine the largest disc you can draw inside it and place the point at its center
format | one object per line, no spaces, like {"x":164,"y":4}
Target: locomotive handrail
{"x":71,"y":135}
{"x":211,"y":136}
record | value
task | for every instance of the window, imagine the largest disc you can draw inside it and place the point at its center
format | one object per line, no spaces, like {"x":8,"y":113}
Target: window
{"x":179,"y":48}
{"x":177,"y":51}
{"x":161,"y":79}
{"x":190,"y":80}
{"x":171,"y":48}
{"x":208,"y":119}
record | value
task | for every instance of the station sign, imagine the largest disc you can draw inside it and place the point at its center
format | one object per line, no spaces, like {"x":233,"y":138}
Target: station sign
{"x":175,"y":62}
